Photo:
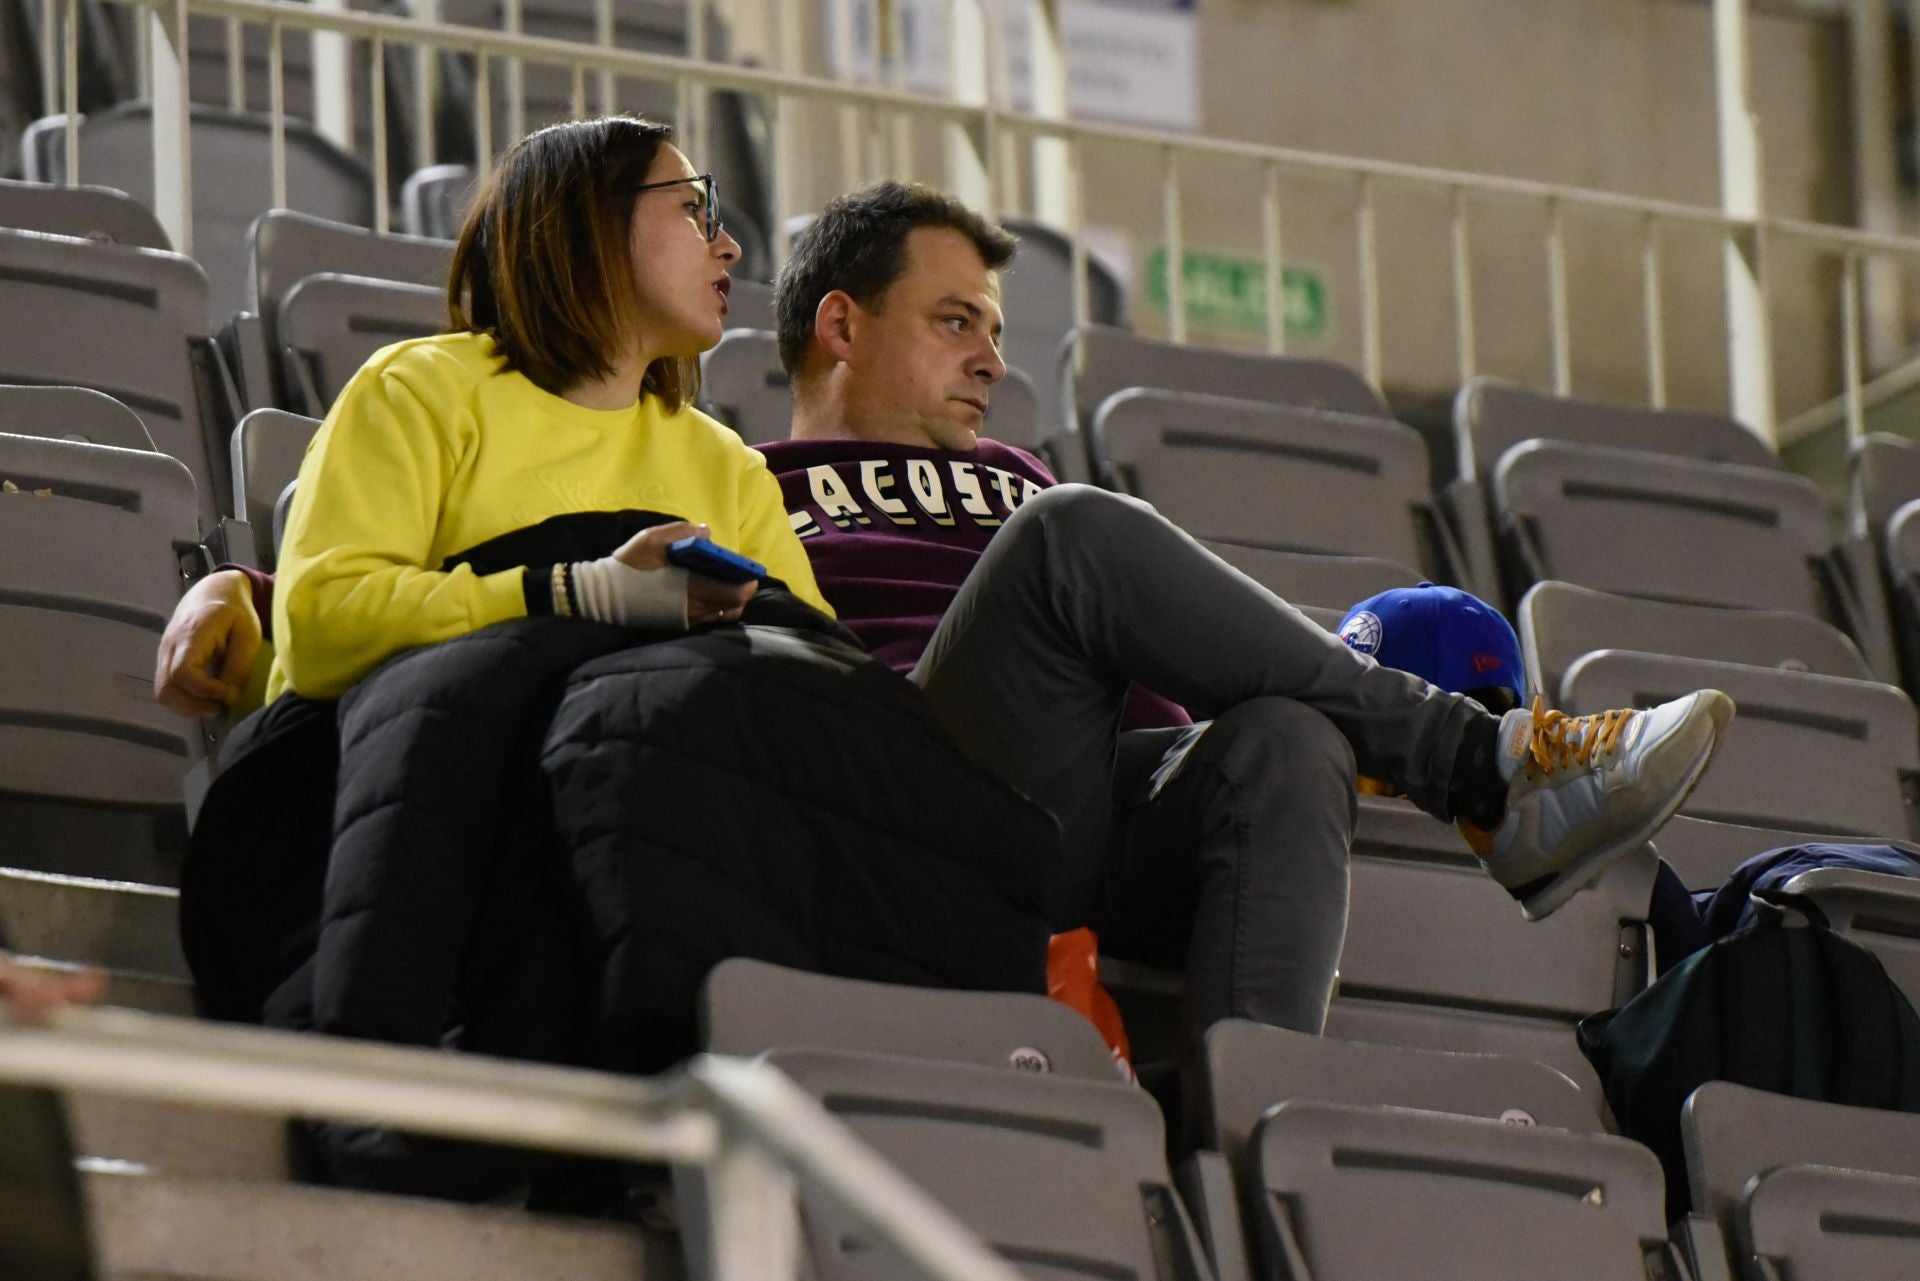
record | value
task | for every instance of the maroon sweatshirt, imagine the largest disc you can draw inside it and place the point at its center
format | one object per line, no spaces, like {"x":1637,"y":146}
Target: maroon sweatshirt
{"x":893,"y":530}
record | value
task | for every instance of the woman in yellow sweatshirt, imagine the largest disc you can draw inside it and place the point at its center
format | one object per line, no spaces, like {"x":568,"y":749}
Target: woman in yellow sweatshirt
{"x":540,"y":455}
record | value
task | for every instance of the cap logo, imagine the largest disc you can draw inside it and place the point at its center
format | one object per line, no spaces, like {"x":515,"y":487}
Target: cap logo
{"x":1486,"y":662}
{"x":1363,"y":632}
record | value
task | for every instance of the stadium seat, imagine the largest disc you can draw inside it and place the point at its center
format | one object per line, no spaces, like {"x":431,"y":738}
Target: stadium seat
{"x":1817,"y":1221}
{"x":1901,"y":549}
{"x":219,"y":1229}
{"x":1805,"y":752}
{"x":288,"y":247}
{"x":1251,"y":1067}
{"x":1274,"y":476}
{"x":1878,"y":911}
{"x":1613,"y":519}
{"x":60,"y":298}
{"x":750,"y":306}
{"x":43,"y":1216}
{"x":1439,"y":957}
{"x":1560,"y":623}
{"x":1469,"y":1198}
{"x":268,"y":448}
{"x":92,"y":542}
{"x":1883,"y":475}
{"x":1704,"y":853}
{"x":1491,"y":416}
{"x":111,"y":925}
{"x":1064,"y":1178}
{"x":434,"y":200}
{"x":743,"y":384}
{"x":73,"y":414}
{"x":330,"y":324}
{"x":91,"y":213}
{"x":1036,"y":293}
{"x":748,"y":1007}
{"x":232,"y":179}
{"x":1735,"y":1135}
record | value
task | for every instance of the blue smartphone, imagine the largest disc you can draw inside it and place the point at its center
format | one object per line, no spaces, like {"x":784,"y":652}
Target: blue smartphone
{"x":704,"y":556}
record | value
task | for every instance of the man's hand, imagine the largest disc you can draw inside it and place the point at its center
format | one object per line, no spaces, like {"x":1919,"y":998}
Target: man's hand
{"x":207,"y":653}
{"x":708,"y":599}
{"x":29,"y":996}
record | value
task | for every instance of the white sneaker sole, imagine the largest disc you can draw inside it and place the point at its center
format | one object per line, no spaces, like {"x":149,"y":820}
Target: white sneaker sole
{"x":1587,"y":869}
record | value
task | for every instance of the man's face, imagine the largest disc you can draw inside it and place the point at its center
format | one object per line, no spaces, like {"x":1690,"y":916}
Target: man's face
{"x":923,"y":360}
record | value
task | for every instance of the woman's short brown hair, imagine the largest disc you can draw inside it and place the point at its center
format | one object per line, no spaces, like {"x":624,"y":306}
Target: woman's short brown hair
{"x":543,"y":262}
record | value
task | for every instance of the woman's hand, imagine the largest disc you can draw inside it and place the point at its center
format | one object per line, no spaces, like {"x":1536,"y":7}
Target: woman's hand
{"x":29,"y":996}
{"x":708,"y":599}
{"x":206,"y":655}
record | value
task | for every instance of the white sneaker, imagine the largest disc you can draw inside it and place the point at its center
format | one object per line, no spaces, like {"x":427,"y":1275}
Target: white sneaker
{"x":1584,"y":791}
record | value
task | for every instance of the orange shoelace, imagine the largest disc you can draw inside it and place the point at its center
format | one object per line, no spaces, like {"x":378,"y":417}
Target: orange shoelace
{"x":1560,"y":740}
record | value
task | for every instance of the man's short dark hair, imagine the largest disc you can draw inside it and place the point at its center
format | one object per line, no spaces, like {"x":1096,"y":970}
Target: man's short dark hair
{"x":858,"y":245}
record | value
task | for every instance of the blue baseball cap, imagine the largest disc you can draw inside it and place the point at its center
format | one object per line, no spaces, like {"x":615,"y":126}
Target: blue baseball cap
{"x":1445,"y":636}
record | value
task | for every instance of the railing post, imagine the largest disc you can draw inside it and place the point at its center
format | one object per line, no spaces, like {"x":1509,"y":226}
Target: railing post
{"x":172,"y":144}
{"x":1749,"y":333}
{"x":333,"y":81}
{"x":1876,"y":186}
{"x":969,"y":147}
{"x":1466,"y":356}
{"x":740,"y":1214}
{"x":1050,"y":177}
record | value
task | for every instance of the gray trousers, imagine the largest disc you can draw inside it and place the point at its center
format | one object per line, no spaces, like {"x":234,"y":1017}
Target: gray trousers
{"x":1224,"y":846}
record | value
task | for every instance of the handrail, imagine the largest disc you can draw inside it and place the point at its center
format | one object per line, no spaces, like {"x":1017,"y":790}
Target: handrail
{"x":990,"y":126}
{"x":717,"y":1114}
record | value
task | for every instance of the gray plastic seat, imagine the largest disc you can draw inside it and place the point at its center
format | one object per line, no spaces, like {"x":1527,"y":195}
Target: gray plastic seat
{"x":1014,"y":414}
{"x":232,"y":179}
{"x":434,"y":200}
{"x":89,"y":212}
{"x":71,"y":413}
{"x":1112,"y":360}
{"x":749,"y":1007}
{"x":131,"y":323}
{"x":288,"y":247}
{"x":110,"y":924}
{"x":89,"y":575}
{"x":1704,"y":853}
{"x":1883,"y":476}
{"x":268,"y":447}
{"x":1343,"y":1193}
{"x":1063,"y":1178}
{"x":1274,"y":476}
{"x":1804,"y":752}
{"x":1901,"y":552}
{"x":1559,"y":623}
{"x":1439,"y":957}
{"x":1665,"y":528}
{"x":743,"y":384}
{"x":750,"y":306}
{"x":330,"y":324}
{"x":1036,"y":293}
{"x":1251,"y":1067}
{"x":1734,"y":1134}
{"x":1817,"y":1221}
{"x":1491,"y":416}
{"x":1879,"y":911}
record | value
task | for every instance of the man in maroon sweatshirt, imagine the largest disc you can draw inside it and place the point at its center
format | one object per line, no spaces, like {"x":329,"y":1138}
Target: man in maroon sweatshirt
{"x":1030,"y":614}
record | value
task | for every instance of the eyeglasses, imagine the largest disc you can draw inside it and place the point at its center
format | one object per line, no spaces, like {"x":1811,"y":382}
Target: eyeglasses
{"x":709,"y":201}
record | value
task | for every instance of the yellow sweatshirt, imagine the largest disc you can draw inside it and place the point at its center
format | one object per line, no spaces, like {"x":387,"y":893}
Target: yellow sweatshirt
{"x":434,"y":449}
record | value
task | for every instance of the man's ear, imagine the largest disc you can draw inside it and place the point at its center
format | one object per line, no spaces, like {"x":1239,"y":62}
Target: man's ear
{"x":833,"y":322}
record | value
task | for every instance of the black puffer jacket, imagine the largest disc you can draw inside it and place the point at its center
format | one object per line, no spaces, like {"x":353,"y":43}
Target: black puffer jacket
{"x":544,"y":835}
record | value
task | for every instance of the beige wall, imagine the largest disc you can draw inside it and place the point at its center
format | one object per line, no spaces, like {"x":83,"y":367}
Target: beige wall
{"x":1612,"y":94}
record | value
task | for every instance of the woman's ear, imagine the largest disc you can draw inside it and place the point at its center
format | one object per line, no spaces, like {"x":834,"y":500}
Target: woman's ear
{"x":833,"y":322}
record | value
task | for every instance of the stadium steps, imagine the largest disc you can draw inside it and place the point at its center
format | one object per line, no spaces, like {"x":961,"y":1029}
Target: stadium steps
{"x":149,"y":1226}
{"x":180,"y":1141}
{"x":131,"y":931}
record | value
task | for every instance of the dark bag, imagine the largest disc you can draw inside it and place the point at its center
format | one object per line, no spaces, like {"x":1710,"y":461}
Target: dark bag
{"x":1796,"y":1010}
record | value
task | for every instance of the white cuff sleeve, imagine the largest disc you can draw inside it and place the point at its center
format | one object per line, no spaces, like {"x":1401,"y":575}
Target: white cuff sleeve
{"x":612,"y":591}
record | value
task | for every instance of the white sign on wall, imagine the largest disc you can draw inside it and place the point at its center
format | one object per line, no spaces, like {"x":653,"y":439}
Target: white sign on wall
{"x":1124,"y":62}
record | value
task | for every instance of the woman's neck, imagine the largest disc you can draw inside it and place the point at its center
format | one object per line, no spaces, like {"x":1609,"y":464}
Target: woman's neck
{"x":618,"y":389}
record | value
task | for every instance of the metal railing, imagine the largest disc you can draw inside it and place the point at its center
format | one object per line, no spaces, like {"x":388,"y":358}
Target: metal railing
{"x":752,"y":1133}
{"x":1059,"y":145}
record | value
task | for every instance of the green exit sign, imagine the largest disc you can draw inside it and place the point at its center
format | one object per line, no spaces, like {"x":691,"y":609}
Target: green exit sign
{"x":1233,"y":291}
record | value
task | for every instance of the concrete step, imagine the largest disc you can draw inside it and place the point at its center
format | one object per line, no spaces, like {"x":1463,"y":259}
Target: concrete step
{"x":165,"y":1138}
{"x":116,"y":925}
{"x":150,"y":1226}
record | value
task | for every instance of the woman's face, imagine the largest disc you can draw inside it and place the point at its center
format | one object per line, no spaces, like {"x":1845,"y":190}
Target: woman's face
{"x":679,"y":276}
